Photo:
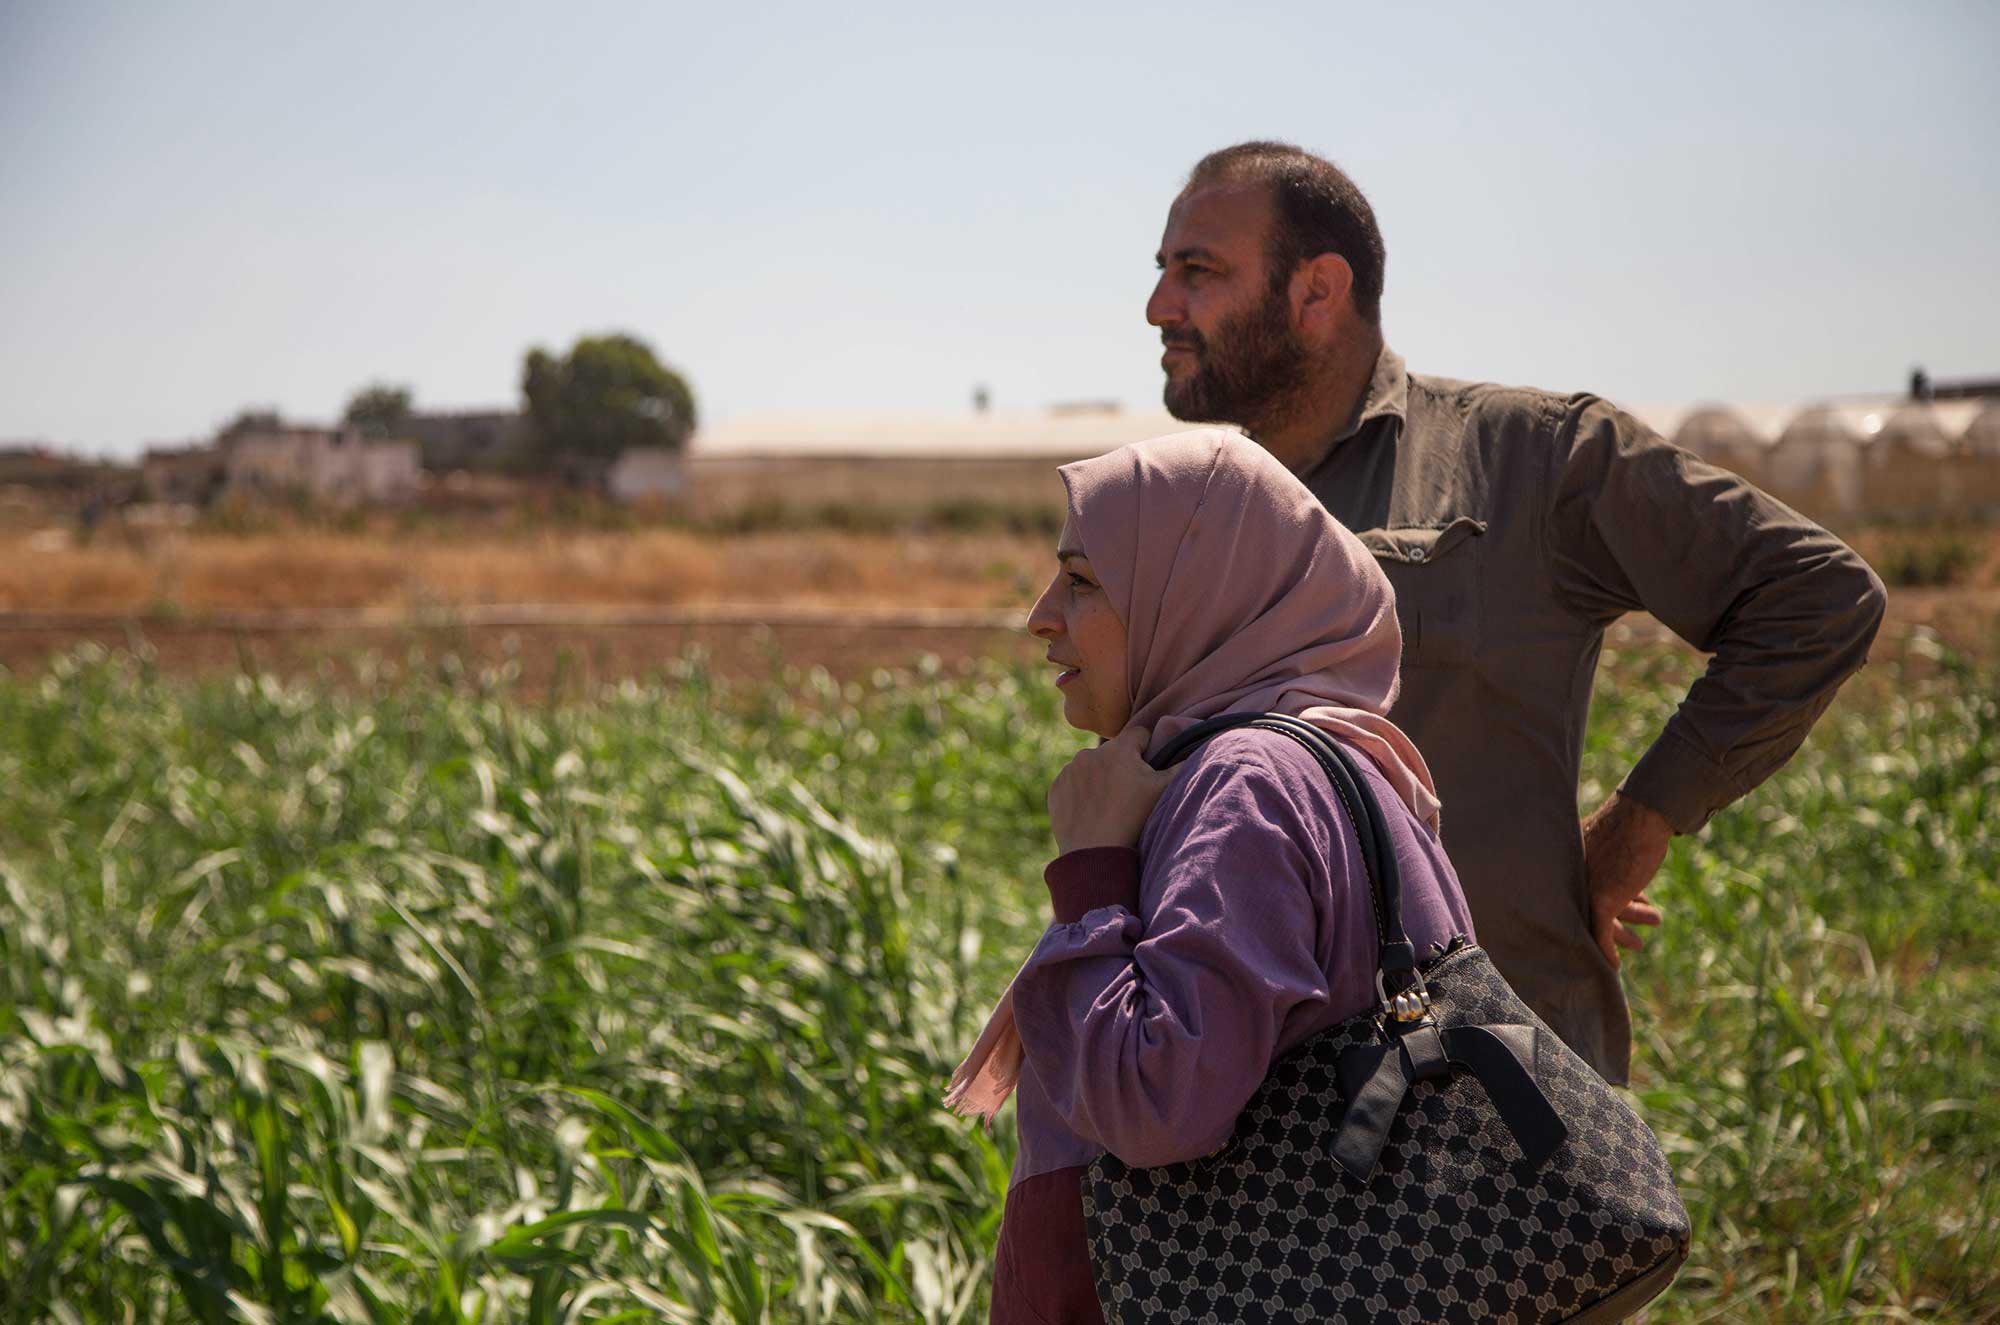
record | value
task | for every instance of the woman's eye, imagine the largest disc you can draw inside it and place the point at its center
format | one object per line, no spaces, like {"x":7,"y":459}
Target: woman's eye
{"x":1078,"y":582}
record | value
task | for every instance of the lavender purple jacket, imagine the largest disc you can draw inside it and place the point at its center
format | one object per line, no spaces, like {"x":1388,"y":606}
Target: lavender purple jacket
{"x":1174,"y":974}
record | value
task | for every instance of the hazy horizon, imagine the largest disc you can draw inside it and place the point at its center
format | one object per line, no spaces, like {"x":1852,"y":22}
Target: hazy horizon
{"x":233,"y":206}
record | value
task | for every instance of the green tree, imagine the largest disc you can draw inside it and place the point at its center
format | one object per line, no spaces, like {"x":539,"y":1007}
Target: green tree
{"x":378,"y":409}
{"x":607,"y":394}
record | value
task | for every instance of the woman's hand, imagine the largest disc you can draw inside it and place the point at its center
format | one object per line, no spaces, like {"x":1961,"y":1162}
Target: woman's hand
{"x":1102,"y":797}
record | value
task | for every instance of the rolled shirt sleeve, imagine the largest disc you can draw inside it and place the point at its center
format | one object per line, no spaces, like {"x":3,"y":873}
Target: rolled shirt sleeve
{"x":1788,"y":610}
{"x":1149,"y":1036}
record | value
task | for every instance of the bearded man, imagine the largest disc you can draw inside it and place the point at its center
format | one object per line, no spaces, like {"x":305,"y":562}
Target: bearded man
{"x":1515,"y":525}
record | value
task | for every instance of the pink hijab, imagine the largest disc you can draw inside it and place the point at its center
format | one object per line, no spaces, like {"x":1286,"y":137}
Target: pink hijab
{"x":1239,"y":594}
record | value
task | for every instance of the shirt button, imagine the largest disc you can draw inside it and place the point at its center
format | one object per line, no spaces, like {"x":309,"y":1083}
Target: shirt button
{"x":1416,"y":554}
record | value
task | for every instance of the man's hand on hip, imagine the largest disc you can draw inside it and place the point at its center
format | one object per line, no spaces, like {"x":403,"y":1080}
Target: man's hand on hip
{"x":1623,"y":845}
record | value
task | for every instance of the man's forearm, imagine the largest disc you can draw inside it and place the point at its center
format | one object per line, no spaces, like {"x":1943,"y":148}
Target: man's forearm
{"x":1787,"y":609}
{"x":1780,"y":658}
{"x":1679,"y":783}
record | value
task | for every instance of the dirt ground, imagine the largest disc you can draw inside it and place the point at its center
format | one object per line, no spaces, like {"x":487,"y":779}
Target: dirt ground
{"x":577,"y":657}
{"x":190,"y":574}
{"x":575,"y":607}
{"x":392,"y":574}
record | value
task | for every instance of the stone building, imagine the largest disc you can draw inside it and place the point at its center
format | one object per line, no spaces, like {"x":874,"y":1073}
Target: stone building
{"x":182,"y":475}
{"x":336,"y":466}
{"x":479,"y":441}
{"x":645,"y":473}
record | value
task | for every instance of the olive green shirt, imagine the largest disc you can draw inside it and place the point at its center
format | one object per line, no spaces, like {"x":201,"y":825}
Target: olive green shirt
{"x":1515,"y":526}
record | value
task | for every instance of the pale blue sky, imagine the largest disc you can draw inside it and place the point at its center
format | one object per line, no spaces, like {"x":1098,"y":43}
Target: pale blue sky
{"x":204,"y":206}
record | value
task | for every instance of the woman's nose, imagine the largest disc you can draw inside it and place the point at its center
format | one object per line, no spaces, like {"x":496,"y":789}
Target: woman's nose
{"x":1044,"y":622}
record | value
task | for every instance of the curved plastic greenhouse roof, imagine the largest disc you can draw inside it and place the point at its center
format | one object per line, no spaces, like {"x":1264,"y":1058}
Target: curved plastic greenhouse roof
{"x":1068,"y":434}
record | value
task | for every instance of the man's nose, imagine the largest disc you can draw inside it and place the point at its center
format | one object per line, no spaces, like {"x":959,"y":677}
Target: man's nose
{"x":1163,"y":309}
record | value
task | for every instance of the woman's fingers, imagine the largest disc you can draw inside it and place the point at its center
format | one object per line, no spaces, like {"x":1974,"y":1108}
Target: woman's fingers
{"x":1103,"y":795}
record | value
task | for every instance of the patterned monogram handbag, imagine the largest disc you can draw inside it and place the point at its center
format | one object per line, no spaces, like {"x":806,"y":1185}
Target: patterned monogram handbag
{"x":1443,"y":1158}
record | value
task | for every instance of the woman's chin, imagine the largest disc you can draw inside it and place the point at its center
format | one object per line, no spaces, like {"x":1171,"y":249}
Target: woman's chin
{"x":1079,"y":713}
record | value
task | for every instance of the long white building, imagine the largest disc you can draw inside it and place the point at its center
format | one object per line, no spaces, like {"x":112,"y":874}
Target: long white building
{"x":1854,"y":457}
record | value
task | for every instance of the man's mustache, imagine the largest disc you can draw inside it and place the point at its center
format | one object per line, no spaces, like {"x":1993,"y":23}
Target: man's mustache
{"x":1187,"y":340}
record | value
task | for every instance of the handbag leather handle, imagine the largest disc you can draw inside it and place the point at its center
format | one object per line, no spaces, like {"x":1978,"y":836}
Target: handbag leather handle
{"x":1378,"y":855}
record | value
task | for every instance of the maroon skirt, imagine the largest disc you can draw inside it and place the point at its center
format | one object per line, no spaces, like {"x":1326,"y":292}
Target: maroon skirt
{"x":1041,"y":1268}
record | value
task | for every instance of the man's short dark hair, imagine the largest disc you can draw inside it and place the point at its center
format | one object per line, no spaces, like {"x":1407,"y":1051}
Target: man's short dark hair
{"x":1319,"y":210}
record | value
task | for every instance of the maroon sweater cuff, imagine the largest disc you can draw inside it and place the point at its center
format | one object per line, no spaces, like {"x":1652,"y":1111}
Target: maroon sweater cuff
{"x":1086,"y":879}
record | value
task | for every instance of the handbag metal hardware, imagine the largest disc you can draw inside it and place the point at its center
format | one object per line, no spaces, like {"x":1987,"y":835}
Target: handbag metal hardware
{"x":1412,"y":1004}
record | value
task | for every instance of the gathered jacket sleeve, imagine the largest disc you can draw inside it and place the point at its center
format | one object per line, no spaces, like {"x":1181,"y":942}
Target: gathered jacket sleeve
{"x":1788,"y":610}
{"x":1151,"y":1009}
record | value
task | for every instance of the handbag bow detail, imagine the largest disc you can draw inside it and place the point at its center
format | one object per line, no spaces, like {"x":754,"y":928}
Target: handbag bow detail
{"x":1376,"y":1077}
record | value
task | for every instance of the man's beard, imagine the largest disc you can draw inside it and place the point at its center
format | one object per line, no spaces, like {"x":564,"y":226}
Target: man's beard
{"x":1247,"y":374}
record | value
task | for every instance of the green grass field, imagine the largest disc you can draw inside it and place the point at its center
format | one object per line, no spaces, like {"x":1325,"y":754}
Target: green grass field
{"x":424,"y":1002}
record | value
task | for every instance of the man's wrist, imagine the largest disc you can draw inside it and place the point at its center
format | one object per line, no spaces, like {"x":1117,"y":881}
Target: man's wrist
{"x":1678,"y":783}
{"x":1635,"y":816}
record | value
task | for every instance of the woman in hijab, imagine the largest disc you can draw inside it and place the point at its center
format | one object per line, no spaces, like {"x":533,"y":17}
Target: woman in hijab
{"x":1211,"y":916}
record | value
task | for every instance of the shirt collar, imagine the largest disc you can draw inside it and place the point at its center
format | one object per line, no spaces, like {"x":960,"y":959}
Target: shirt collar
{"x":1388,"y":395}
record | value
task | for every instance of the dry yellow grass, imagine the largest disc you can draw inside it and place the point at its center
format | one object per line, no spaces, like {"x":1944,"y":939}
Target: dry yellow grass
{"x":196,"y":573}
{"x":193,"y":574}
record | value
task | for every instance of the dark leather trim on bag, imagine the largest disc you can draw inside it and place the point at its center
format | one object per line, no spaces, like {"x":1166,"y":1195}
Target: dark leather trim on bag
{"x":1443,"y":1156}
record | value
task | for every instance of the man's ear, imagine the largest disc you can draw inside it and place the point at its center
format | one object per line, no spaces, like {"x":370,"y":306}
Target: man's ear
{"x":1321,"y":290}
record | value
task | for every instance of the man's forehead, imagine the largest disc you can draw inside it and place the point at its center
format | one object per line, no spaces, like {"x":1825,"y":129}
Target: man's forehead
{"x":1220,"y":217}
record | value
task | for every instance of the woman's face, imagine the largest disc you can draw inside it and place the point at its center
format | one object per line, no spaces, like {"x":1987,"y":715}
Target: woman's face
{"x":1086,"y":639}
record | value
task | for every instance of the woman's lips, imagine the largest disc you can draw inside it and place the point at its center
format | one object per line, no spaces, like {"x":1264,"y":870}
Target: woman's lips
{"x":1064,"y":677}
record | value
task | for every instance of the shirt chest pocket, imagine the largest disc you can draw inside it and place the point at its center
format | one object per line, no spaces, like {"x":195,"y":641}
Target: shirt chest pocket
{"x":1434,"y":570}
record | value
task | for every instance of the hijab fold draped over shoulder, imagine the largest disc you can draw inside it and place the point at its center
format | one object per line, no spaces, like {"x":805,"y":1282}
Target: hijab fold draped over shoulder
{"x":1239,"y":594}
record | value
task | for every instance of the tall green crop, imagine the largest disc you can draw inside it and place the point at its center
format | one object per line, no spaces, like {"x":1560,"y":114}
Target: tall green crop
{"x":423,"y":1002}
